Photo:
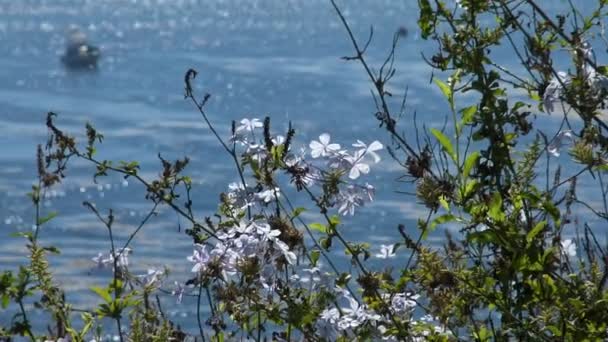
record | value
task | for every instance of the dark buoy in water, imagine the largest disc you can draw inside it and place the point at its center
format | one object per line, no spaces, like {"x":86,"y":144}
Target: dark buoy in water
{"x":79,"y":54}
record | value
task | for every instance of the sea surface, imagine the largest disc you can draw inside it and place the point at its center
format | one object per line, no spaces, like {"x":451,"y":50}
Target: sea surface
{"x":257,"y":58}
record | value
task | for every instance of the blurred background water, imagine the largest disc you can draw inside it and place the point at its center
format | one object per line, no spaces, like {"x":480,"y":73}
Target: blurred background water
{"x":256,"y":58}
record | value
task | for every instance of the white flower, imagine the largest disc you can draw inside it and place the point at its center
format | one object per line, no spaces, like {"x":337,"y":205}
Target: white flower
{"x":263,"y":229}
{"x":289,"y":255}
{"x":278,"y":140}
{"x":357,"y":166}
{"x":331,"y":315}
{"x":249,"y":125}
{"x":597,"y":82}
{"x":522,"y":216}
{"x":558,"y":141}
{"x":243,"y":227}
{"x":371,"y":149}
{"x":369,"y":190}
{"x":404,"y":302}
{"x":554,"y":90}
{"x":323,"y":148}
{"x":152,"y":278}
{"x":199,"y":257}
{"x":239,"y":137}
{"x":122,"y":260}
{"x":386,"y":251}
{"x":268,"y":196}
{"x":355,"y":315}
{"x":429,"y":318}
{"x":236,"y":187}
{"x":306,"y":174}
{"x":588,"y":54}
{"x":256,"y":152}
{"x":317,"y":278}
{"x":101,"y":261}
{"x":247,"y":246}
{"x":239,"y":196}
{"x":123,"y":257}
{"x":178,"y":291}
{"x":349,"y":199}
{"x":326,"y":325}
{"x":568,"y":248}
{"x":346,"y":318}
{"x":340,"y":160}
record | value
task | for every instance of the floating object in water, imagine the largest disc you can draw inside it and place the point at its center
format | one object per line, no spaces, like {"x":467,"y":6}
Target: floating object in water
{"x":79,"y":54}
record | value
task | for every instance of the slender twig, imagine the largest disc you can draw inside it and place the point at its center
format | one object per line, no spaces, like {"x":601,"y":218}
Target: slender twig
{"x":232,"y":152}
{"x":379,"y":86}
{"x":198,"y":311}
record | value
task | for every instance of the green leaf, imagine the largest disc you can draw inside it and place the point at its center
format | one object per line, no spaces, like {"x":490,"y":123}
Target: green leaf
{"x":445,"y":89}
{"x":297,"y":212}
{"x":314,"y":257}
{"x":482,"y":334}
{"x":444,"y":203}
{"x":343,"y":279}
{"x":495,"y":208}
{"x":483,"y":237}
{"x":47,"y":218}
{"x":52,"y":249}
{"x":27,"y":235}
{"x":87,"y":318}
{"x":426,"y":22}
{"x":468,"y":113}
{"x":540,"y":226}
{"x":103,"y":293}
{"x":443,"y":219}
{"x":318,"y":227}
{"x":470,"y":163}
{"x":534,"y":96}
{"x":469,"y":188}
{"x":445,"y":143}
{"x":334,"y":220}
{"x":552,"y":210}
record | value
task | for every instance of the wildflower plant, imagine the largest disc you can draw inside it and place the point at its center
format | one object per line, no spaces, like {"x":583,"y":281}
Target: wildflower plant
{"x":519,"y":262}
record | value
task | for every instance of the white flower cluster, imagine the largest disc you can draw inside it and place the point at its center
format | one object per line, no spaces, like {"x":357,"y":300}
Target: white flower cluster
{"x":386,"y":252}
{"x":345,"y":320}
{"x":354,"y":164}
{"x":598,"y":83}
{"x":560,"y":139}
{"x":241,"y":197}
{"x":122,"y":258}
{"x":568,"y":248}
{"x":314,"y":277}
{"x":243,"y":240}
{"x":153,"y":277}
{"x":244,"y":134}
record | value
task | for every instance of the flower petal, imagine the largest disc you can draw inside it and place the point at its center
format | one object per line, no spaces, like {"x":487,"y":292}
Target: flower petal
{"x":324,"y":139}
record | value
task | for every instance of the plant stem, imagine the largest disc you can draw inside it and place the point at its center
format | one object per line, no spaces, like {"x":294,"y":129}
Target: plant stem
{"x":198,"y":311}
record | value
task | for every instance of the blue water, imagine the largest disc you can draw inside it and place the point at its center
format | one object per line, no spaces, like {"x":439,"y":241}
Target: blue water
{"x":256,"y":58}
